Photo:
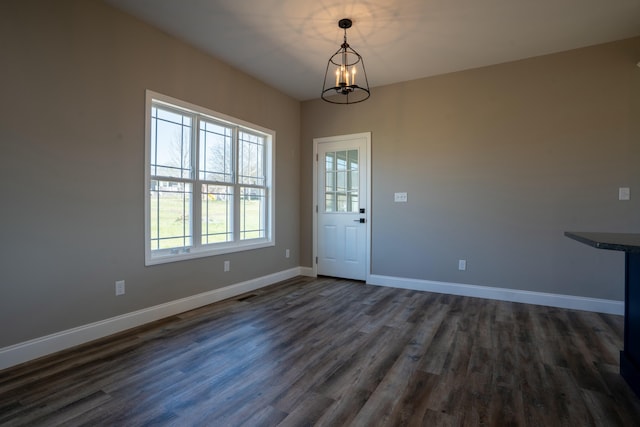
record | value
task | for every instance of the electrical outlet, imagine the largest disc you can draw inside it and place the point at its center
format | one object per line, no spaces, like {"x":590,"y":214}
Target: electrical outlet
{"x":462,"y":264}
{"x":119,"y":287}
{"x":227,"y":265}
{"x":287,"y":254}
{"x":400,"y":197}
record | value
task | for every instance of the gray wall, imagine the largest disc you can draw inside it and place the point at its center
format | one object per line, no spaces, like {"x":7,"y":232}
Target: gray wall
{"x":72,"y":85}
{"x":498,"y":162}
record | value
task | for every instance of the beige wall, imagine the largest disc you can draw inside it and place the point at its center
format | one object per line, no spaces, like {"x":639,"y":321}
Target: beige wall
{"x":72,"y":85}
{"x":498,"y":162}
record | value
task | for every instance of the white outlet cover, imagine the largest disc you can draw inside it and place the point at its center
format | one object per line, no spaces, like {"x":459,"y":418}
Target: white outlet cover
{"x":400,"y":197}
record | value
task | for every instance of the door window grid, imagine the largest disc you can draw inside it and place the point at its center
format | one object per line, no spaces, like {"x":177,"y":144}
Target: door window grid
{"x":341,"y":181}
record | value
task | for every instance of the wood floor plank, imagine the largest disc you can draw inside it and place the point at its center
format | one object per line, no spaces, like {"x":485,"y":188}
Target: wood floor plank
{"x":308,"y":412}
{"x":385,"y":403}
{"x":413,"y":409}
{"x":333,"y":352}
{"x":264,"y":416}
{"x":439,"y":349}
{"x":506,"y":407}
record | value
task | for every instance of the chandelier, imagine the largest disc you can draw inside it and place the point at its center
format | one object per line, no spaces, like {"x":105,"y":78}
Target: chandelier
{"x":344,"y":69}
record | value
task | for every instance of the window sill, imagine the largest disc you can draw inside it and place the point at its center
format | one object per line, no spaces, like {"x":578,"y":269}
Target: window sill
{"x":164,"y":258}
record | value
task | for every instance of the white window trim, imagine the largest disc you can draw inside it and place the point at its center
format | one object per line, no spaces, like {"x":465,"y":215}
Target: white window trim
{"x":197,"y":250}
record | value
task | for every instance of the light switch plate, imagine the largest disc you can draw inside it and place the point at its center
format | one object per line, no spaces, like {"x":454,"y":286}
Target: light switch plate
{"x":624,"y":193}
{"x":400,"y":197}
{"x":119,"y":287}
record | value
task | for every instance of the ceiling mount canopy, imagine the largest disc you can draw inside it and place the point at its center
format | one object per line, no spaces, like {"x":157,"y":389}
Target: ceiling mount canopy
{"x":344,"y":68}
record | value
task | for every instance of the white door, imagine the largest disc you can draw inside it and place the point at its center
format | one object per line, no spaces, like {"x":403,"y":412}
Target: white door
{"x":342,"y":193}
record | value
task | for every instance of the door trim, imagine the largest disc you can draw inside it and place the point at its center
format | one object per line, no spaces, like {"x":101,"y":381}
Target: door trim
{"x":314,"y":206}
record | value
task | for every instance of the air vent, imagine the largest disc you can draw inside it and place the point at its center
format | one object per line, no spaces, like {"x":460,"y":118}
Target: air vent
{"x":246,"y":297}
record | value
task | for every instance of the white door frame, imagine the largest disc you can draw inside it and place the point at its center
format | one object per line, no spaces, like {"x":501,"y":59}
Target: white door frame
{"x":314,"y":207}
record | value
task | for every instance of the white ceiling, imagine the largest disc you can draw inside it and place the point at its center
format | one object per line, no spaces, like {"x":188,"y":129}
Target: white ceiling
{"x":287,"y":43}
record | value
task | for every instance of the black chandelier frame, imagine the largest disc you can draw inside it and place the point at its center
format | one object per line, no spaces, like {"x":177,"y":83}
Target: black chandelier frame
{"x":346,"y":57}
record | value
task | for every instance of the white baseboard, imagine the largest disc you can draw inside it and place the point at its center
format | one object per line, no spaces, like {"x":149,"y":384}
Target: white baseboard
{"x":38,"y":347}
{"x":307,"y":271}
{"x":512,"y":295}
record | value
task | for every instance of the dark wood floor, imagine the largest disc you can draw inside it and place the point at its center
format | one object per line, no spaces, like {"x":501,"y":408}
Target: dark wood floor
{"x":335,"y":352}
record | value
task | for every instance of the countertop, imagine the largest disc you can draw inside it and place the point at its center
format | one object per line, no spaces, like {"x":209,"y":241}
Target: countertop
{"x":626,"y":242}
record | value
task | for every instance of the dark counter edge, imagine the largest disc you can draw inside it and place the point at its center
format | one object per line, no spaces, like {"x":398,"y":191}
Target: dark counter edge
{"x":600,"y":243}
{"x":630,"y":373}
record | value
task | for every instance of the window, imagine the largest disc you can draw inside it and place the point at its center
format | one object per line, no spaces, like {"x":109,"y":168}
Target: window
{"x":209,"y":187}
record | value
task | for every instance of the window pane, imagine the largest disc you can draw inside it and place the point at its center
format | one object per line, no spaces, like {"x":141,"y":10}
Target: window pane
{"x":170,"y":144}
{"x":329,"y":202}
{"x":341,"y":178}
{"x":341,"y":160}
{"x":354,"y":180}
{"x":353,"y":160}
{"x":353,"y":205}
{"x":341,"y":202}
{"x":217,"y":214}
{"x":252,"y":213}
{"x":216,"y":152}
{"x":330,"y":161}
{"x":170,"y":215}
{"x":251,"y":161}
{"x":330,"y":183}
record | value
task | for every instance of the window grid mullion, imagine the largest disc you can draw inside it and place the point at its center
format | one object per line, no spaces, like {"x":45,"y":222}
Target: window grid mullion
{"x":184,"y":223}
{"x":236,"y":183}
{"x":155,"y":144}
{"x":155,"y":169}
{"x":196,"y":192}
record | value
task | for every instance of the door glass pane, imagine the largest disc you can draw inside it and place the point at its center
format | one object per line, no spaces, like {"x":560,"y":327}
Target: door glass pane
{"x":353,"y":180}
{"x":341,"y":202}
{"x":329,"y":202}
{"x":330,"y":181}
{"x":341,"y":181}
{"x":341,"y":184}
{"x":353,"y":202}
{"x":341,"y":160}
{"x":353,"y":160}
{"x":330,"y":162}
